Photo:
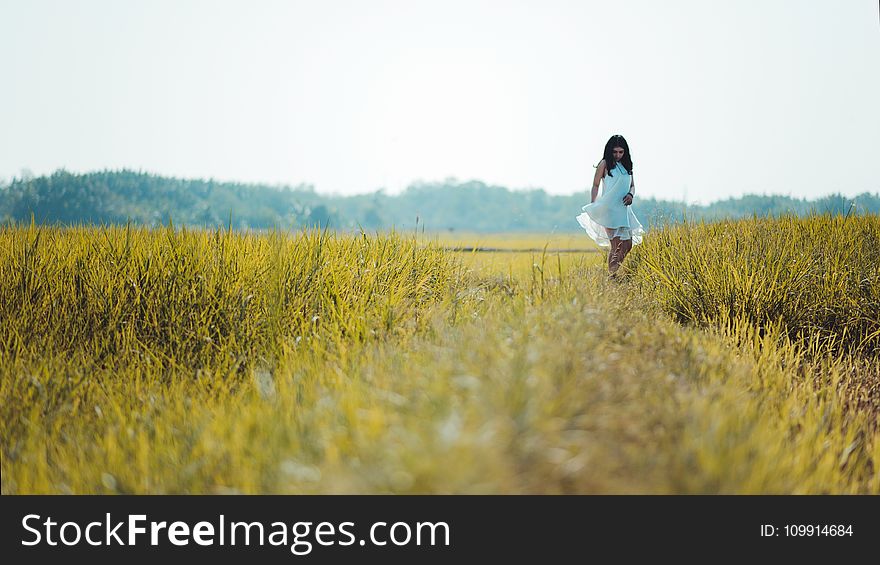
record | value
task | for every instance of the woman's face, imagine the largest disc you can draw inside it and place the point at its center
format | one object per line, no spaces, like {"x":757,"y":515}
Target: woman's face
{"x":618,"y":153}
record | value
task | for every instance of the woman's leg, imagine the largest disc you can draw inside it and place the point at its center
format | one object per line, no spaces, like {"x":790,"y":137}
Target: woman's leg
{"x":614,"y":255}
{"x":625,"y":246}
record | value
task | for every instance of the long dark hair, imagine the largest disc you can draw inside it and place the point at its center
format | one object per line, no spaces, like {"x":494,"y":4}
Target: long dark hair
{"x":626,"y":161}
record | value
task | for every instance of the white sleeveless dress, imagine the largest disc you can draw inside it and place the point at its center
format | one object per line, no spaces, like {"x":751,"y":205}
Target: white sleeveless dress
{"x":609,"y":211}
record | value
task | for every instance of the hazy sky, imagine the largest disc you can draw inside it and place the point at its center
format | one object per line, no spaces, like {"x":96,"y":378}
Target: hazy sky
{"x":716,"y":98}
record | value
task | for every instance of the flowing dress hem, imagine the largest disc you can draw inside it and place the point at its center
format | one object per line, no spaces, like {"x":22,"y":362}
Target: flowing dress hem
{"x":597,"y":233}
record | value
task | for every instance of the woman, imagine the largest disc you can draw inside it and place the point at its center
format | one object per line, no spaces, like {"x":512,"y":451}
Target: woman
{"x":609,"y":220}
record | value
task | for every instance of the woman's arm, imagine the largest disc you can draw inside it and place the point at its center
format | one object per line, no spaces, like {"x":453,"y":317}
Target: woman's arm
{"x":600,"y":172}
{"x":628,"y":198}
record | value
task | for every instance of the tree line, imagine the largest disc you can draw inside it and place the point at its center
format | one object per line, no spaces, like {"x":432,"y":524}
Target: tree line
{"x":117,"y":197}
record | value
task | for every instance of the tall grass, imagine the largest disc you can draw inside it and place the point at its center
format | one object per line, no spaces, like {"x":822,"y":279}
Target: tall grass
{"x":137,"y":305}
{"x":179,"y":295}
{"x":819,"y":277}
{"x":375,"y":364}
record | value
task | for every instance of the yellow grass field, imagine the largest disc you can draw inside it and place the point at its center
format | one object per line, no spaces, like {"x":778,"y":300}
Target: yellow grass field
{"x":511,"y":240}
{"x":734,"y":357}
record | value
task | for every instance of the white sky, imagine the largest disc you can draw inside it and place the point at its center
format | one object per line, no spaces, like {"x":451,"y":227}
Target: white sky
{"x":716,"y":98}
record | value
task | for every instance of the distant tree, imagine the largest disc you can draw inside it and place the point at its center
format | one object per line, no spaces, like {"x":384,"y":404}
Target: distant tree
{"x":320,"y":216}
{"x":117,"y":196}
